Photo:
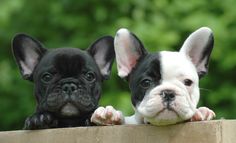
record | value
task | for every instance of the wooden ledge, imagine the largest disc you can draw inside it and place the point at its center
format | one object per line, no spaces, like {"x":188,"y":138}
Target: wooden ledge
{"x":217,"y":131}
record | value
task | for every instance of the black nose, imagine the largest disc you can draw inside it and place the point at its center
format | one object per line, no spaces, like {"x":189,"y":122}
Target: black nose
{"x":168,"y":95}
{"x":69,"y":87}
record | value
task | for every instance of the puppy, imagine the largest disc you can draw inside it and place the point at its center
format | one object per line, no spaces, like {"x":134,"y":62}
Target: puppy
{"x":164,"y":85}
{"x":67,"y":81}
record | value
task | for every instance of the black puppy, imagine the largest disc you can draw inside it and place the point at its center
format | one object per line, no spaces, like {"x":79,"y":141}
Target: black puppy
{"x":67,"y":80}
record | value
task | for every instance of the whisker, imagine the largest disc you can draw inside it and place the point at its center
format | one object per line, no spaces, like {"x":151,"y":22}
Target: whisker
{"x":204,"y":89}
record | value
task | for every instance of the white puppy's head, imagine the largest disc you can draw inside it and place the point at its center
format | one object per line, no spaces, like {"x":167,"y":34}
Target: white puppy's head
{"x":164,"y":85}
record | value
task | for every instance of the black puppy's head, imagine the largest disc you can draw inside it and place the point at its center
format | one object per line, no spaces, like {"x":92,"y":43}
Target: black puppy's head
{"x":67,"y":80}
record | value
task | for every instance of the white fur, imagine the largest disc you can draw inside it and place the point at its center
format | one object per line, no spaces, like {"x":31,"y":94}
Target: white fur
{"x":126,"y":55}
{"x":195,"y":44}
{"x":175,"y":69}
{"x":134,"y":119}
{"x":107,"y":116}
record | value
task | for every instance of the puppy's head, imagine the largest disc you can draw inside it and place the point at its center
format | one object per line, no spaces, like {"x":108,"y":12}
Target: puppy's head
{"x":67,"y":80}
{"x":164,"y":85}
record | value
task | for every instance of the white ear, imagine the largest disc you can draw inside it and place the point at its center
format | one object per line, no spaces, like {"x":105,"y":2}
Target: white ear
{"x":198,"y":47}
{"x":128,"y":49}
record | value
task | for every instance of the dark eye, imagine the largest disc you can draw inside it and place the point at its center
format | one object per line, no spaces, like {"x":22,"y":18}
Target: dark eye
{"x":90,"y":76}
{"x":145,"y":83}
{"x":47,"y":77}
{"x":188,"y":82}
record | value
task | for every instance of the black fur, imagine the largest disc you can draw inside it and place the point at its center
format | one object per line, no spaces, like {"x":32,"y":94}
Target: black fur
{"x":62,"y":77}
{"x":207,"y":53}
{"x":148,"y":67}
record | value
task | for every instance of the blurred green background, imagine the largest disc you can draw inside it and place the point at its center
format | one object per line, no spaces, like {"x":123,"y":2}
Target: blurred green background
{"x":160,"y":24}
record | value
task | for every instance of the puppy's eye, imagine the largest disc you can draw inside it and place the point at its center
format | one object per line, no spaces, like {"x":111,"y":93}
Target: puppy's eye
{"x":47,"y":77}
{"x":188,"y":82}
{"x":90,"y":76}
{"x":145,"y":83}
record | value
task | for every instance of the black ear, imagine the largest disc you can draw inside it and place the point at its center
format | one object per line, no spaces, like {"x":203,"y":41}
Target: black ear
{"x":198,"y":47}
{"x":102,"y":50}
{"x":27,"y":52}
{"x":129,"y":49}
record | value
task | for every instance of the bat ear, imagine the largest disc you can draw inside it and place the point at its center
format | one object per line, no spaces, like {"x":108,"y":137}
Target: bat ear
{"x":198,"y":47}
{"x":103,"y":53}
{"x":27,"y":52}
{"x":128,"y":49}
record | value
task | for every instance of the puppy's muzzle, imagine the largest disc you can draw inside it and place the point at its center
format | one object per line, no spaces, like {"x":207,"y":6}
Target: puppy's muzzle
{"x":69,"y":88}
{"x":168,"y":95}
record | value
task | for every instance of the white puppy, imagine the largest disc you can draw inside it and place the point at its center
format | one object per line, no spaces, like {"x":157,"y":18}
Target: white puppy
{"x":164,"y":85}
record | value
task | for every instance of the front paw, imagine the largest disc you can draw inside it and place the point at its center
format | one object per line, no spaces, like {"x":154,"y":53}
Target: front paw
{"x":107,"y":116}
{"x":203,"y":114}
{"x":40,"y":121}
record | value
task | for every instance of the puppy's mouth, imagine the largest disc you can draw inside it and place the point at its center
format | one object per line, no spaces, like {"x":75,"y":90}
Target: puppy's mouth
{"x":168,"y":106}
{"x":69,"y":110}
{"x":70,"y":105}
{"x":168,"y":109}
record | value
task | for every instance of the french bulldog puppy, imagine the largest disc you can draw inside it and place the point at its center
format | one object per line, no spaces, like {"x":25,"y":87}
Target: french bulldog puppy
{"x":67,"y":81}
{"x":164,"y":85}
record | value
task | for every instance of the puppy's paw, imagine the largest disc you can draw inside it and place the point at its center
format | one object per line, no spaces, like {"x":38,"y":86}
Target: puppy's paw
{"x":203,"y":114}
{"x":107,"y":116}
{"x":40,"y":121}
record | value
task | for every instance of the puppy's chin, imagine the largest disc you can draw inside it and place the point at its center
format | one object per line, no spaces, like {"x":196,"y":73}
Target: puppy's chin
{"x":69,"y":110}
{"x":165,"y":117}
{"x":168,"y":117}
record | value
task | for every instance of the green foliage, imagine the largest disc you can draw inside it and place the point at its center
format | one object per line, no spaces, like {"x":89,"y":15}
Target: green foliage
{"x":160,"y":24}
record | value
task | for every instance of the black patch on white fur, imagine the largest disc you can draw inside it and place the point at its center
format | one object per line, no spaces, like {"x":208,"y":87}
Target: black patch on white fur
{"x":206,"y":54}
{"x":138,"y":45}
{"x":148,"y":67}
